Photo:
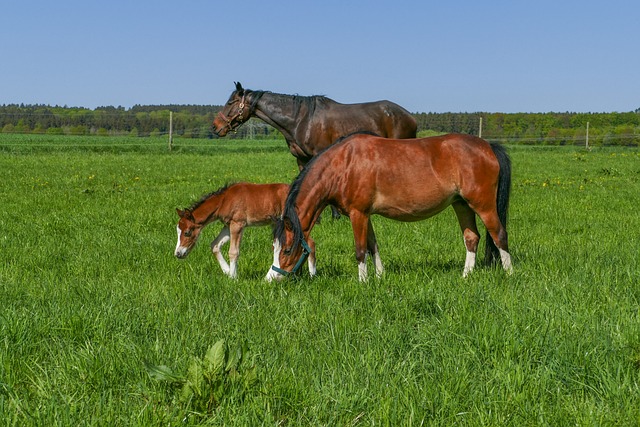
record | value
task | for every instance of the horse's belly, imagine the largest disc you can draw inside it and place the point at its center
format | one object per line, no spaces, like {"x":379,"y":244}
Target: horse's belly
{"x":411,"y":210}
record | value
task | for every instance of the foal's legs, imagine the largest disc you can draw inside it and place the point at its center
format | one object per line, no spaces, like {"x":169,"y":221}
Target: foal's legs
{"x":217,"y":243}
{"x":234,"y":248}
{"x":467,"y":220}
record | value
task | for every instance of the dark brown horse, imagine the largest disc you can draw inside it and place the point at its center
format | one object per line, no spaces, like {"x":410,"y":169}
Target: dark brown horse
{"x":312,"y":123}
{"x":402,"y":180}
{"x":237,"y":206}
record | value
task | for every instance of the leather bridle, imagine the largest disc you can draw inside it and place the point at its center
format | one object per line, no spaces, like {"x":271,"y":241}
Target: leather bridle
{"x":229,"y":120}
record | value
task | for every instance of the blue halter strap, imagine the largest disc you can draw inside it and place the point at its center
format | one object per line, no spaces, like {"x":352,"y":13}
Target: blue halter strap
{"x":306,"y":250}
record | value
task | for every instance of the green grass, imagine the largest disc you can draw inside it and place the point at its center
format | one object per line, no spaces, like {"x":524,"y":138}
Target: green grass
{"x":90,"y":292}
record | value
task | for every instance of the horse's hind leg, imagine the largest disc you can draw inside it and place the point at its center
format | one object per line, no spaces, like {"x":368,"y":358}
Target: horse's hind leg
{"x":217,"y":243}
{"x":498,"y":234}
{"x":467,"y":220}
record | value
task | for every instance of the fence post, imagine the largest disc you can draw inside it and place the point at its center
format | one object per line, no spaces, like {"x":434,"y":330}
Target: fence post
{"x":587,"y":138}
{"x":170,"y":130}
{"x":480,"y":128}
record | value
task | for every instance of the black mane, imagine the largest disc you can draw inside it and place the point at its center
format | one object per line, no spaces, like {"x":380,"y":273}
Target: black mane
{"x":299,"y":101}
{"x":289,"y":212}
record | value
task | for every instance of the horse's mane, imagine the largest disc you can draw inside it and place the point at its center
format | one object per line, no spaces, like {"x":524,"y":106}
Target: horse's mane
{"x":204,"y":198}
{"x":299,"y":101}
{"x":290,"y":204}
{"x":255,"y":97}
{"x":289,"y":213}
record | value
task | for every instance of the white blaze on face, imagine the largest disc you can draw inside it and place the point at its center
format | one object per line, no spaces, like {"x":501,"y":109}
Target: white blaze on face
{"x":272,"y":274}
{"x":180,"y":251}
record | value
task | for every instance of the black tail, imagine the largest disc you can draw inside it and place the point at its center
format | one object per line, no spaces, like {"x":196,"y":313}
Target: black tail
{"x":492,"y":254}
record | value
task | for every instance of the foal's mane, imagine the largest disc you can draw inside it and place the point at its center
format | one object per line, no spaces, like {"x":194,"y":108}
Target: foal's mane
{"x":204,"y":198}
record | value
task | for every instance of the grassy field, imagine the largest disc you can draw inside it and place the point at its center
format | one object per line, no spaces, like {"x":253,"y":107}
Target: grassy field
{"x":91,"y":296}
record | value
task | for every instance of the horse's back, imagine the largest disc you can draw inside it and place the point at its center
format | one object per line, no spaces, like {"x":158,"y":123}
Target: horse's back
{"x":411,"y":179}
{"x":384,"y":118}
{"x":255,"y":204}
{"x":456,"y":145}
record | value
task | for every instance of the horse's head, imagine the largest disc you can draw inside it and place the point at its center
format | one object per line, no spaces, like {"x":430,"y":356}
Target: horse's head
{"x":290,"y":250}
{"x":188,"y":232}
{"x":234,"y":113}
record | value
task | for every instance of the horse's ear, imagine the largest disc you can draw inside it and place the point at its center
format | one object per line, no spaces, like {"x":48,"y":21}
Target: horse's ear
{"x":184,"y":213}
{"x":239,"y":87}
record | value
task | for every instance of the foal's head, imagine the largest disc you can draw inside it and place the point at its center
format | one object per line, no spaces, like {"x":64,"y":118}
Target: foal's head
{"x":188,"y":232}
{"x":234,"y":113}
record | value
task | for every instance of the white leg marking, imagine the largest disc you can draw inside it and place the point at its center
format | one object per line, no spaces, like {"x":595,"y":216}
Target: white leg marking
{"x":311,"y":262}
{"x":216,"y":245}
{"x":378,"y":262}
{"x":506,"y":261}
{"x":233,"y":269}
{"x":469,"y":263}
{"x":271,"y":274}
{"x":362,"y":270}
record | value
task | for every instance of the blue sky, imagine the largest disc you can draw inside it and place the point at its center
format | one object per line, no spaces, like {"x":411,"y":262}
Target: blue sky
{"x":428,"y":56}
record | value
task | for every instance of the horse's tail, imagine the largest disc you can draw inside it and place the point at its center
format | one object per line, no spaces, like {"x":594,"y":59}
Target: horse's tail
{"x":504,"y":190}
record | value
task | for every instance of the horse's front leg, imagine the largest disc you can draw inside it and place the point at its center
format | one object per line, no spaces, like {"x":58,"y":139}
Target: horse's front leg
{"x":234,"y":248}
{"x":360,"y":225}
{"x":217,"y":243}
{"x":311,"y":260}
{"x":372,"y":247}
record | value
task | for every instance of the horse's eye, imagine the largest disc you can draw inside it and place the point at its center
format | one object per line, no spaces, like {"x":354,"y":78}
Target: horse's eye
{"x":188,"y":233}
{"x":287,"y":251}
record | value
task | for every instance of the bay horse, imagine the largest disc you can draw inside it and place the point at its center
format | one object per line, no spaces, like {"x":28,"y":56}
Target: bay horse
{"x":405,"y":180}
{"x":312,"y":123}
{"x":237,"y":206}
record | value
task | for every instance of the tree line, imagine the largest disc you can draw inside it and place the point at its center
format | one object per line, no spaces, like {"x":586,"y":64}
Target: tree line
{"x":194,"y":121}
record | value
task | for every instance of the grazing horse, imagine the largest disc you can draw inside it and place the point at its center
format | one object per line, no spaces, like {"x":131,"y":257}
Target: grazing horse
{"x":312,"y":123}
{"x":237,"y":206}
{"x":405,"y":180}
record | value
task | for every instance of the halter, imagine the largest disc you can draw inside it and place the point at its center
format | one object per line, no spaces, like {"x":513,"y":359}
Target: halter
{"x":228,"y":120}
{"x":256,"y":95}
{"x":306,"y":250}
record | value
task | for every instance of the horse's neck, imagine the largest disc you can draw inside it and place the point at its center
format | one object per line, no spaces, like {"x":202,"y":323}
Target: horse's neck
{"x":207,"y":211}
{"x":281,"y":112}
{"x":311,"y":201}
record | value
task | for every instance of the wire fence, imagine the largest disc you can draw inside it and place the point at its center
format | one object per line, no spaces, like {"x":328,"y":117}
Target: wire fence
{"x":565,"y":129}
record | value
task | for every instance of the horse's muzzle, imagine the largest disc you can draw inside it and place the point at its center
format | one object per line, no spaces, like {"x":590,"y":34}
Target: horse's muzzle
{"x":273,"y":274}
{"x":220,"y":132}
{"x":181,"y":252}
